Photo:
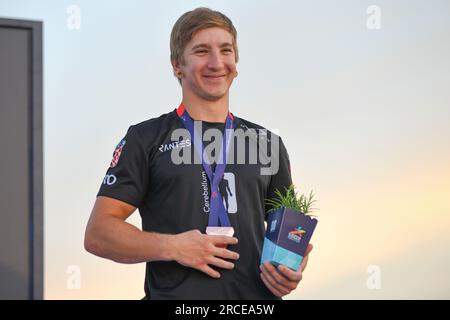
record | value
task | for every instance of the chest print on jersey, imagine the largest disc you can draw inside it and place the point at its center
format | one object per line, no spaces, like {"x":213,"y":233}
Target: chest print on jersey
{"x":174,"y":145}
{"x":227,"y":188}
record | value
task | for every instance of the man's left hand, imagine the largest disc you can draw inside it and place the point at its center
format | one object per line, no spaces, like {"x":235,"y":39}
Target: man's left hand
{"x":282,"y":280}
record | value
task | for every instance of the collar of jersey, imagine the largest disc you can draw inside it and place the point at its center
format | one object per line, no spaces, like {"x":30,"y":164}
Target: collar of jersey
{"x":181,"y":109}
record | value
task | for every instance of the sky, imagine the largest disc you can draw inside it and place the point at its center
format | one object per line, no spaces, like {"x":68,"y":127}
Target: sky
{"x":363,"y":108}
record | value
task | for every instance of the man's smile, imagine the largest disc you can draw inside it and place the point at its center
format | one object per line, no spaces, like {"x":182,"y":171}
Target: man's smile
{"x":214,"y":77}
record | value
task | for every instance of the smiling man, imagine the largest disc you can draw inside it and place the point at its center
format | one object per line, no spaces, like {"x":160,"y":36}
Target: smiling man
{"x":202,"y":223}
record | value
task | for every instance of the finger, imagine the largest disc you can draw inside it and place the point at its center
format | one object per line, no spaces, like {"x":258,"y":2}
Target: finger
{"x":220,"y":263}
{"x":279,"y":278}
{"x":269,"y":277}
{"x":226,"y":254}
{"x":210,"y":271}
{"x":305,"y":259}
{"x":292,"y":275}
{"x":308,"y":249}
{"x":221,"y":240}
{"x":270,"y":287}
{"x":304,"y":264}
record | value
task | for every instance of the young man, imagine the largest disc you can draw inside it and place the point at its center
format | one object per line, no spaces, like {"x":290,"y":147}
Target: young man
{"x":175,"y":200}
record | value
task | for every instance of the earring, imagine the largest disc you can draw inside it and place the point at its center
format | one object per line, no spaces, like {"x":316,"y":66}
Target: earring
{"x":235,"y":74}
{"x":179,"y":74}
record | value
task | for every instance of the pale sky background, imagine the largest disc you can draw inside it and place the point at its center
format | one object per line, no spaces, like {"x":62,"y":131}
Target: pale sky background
{"x":364,"y":114}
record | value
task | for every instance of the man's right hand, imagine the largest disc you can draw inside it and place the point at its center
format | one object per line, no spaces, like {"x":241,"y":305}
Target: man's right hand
{"x":197,"y":250}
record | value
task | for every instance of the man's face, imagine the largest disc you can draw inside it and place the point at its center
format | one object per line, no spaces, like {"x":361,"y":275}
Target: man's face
{"x":209,"y":64}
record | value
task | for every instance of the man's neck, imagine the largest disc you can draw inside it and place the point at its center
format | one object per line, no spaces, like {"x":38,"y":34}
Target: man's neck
{"x":211,"y":111}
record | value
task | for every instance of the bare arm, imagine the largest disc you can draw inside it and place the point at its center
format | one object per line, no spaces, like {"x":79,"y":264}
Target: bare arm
{"x":108,"y":235}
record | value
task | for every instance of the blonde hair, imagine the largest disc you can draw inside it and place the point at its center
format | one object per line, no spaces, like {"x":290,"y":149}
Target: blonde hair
{"x":191,"y":22}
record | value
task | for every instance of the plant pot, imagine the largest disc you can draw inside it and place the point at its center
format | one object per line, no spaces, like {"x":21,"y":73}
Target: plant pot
{"x":287,"y":237}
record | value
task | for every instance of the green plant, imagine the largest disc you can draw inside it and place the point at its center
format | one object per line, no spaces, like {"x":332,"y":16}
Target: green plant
{"x":302,"y":204}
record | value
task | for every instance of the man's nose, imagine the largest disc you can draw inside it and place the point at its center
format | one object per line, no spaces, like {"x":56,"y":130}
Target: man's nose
{"x":215,"y":61}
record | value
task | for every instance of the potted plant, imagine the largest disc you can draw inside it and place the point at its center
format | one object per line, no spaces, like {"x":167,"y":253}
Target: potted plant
{"x":289,"y":228}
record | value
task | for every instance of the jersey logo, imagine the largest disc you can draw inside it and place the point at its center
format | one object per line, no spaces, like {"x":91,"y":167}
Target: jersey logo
{"x":174,"y":145}
{"x":117,"y":153}
{"x":109,"y":179}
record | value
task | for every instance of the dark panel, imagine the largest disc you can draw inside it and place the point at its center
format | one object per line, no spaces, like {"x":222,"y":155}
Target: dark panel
{"x":21,"y":238}
{"x":14,"y":163}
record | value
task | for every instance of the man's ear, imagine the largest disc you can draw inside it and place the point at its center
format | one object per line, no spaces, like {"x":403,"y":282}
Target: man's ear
{"x":175,"y":66}
{"x":177,"y":72}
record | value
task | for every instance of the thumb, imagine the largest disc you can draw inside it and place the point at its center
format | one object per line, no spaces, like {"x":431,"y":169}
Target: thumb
{"x":308,"y":249}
